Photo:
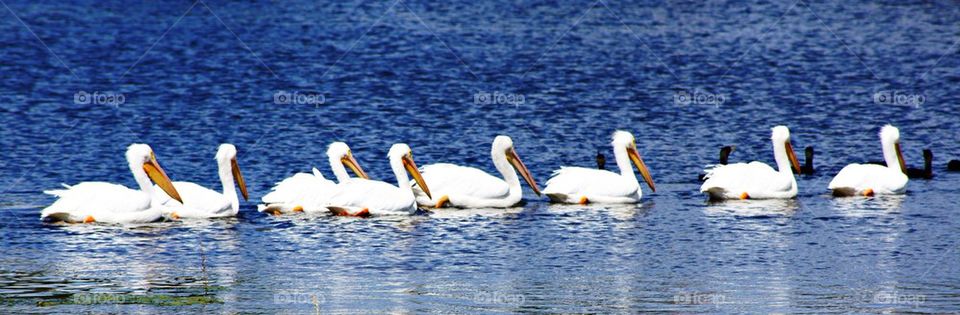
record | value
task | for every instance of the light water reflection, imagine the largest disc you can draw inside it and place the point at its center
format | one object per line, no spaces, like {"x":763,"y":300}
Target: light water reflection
{"x":753,"y":208}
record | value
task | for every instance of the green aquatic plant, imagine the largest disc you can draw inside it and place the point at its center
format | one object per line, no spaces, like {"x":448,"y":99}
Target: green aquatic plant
{"x":156,"y":300}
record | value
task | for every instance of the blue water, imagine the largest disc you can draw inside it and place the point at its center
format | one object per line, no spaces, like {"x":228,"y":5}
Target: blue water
{"x":446,"y":77}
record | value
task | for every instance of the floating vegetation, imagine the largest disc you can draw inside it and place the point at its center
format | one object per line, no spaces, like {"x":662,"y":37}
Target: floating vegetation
{"x":156,"y":299}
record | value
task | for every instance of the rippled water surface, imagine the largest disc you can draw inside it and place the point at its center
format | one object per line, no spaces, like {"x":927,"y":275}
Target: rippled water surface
{"x":446,"y":77}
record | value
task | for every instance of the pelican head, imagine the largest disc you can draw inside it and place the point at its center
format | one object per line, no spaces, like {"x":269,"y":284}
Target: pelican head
{"x":401,"y":152}
{"x":890,"y":139}
{"x":623,"y":140}
{"x":227,"y":160}
{"x":339,"y":151}
{"x":889,"y":134}
{"x":141,"y":158}
{"x":781,"y":136}
{"x":503,"y":145}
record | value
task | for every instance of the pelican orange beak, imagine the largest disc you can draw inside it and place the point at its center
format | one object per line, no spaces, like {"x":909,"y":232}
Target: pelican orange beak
{"x":158,"y":176}
{"x":514,"y":160}
{"x":793,"y":158}
{"x":415,"y":172}
{"x":635,"y":157}
{"x":903,"y":165}
{"x":239,"y":178}
{"x":350,"y":162}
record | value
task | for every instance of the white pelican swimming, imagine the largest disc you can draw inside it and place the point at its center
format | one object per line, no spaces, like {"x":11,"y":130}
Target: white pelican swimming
{"x":301,"y":190}
{"x":756,"y":180}
{"x":586,"y":185}
{"x":364,"y":197}
{"x":112,"y":203}
{"x":468,"y":187}
{"x":200,"y":202}
{"x":871,"y":179}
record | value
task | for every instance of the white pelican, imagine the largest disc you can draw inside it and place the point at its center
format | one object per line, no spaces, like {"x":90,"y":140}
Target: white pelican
{"x":301,"y":190}
{"x":870,"y":179}
{"x":200,"y":202}
{"x":468,"y":187}
{"x":756,"y":180}
{"x":364,"y":197}
{"x":584,"y":185}
{"x":89,"y":202}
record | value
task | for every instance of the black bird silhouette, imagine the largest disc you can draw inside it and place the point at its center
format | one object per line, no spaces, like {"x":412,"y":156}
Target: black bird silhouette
{"x":807,"y":168}
{"x":601,"y":160}
{"x":953,"y":166}
{"x":927,"y":171}
{"x":725,"y":154}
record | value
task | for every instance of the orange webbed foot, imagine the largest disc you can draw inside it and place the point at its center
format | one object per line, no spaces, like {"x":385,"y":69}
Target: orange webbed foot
{"x":344,"y":212}
{"x":442,"y":201}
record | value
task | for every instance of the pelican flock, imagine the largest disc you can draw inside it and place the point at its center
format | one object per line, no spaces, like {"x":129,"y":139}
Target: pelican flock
{"x":158,"y":198}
